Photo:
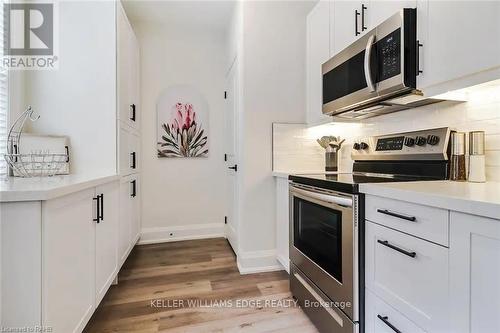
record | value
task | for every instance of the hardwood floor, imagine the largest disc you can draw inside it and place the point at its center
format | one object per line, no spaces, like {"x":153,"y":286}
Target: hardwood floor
{"x":195,"y":286}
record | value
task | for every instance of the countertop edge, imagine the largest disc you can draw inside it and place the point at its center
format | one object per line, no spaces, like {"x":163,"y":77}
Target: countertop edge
{"x":55,"y":192}
{"x":452,"y":203}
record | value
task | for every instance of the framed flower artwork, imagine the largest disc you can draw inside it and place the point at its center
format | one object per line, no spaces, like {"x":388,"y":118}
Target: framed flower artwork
{"x":182,"y":120}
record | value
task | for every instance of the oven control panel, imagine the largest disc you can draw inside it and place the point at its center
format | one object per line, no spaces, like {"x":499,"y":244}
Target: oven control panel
{"x":425,"y":144}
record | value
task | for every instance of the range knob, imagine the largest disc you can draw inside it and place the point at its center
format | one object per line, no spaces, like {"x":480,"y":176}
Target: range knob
{"x":409,"y":142}
{"x":363,"y":145}
{"x":420,"y":141}
{"x":356,"y":146}
{"x":433,"y":140}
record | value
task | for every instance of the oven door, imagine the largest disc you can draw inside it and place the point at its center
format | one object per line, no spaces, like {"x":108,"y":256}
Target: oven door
{"x":323,"y":243}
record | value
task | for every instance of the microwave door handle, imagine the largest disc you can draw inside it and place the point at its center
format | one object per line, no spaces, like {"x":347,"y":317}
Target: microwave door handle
{"x":368,"y":73}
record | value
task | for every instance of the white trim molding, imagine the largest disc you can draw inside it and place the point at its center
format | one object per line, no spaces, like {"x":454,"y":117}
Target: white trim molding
{"x":178,"y":233}
{"x":258,"y":261}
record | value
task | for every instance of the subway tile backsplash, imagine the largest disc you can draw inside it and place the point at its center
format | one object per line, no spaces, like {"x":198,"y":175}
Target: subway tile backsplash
{"x":480,"y":112}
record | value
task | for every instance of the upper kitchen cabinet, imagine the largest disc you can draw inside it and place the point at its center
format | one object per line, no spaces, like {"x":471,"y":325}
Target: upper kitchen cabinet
{"x":318,"y":52}
{"x":127,"y":71}
{"x":380,"y":10}
{"x":460,"y":44}
{"x":349,"y":20}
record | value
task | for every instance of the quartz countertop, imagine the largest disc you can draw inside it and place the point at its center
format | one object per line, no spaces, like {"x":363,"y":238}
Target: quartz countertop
{"x":481,"y":199}
{"x":46,"y":188}
{"x":286,"y":173}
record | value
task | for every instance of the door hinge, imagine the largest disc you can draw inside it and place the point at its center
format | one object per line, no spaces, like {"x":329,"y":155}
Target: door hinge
{"x":225,"y":94}
{"x":225,"y":219}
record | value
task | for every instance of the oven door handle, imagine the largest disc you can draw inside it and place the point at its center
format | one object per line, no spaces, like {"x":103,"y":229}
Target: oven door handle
{"x":368,"y":70}
{"x":324,"y":197}
{"x":313,"y":292}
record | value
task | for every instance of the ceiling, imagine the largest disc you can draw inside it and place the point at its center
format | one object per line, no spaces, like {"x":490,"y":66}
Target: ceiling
{"x":210,"y":15}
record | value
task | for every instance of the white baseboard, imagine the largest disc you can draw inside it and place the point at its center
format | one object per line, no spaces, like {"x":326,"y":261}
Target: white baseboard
{"x":178,"y":233}
{"x":284,"y":262}
{"x":258,"y":262}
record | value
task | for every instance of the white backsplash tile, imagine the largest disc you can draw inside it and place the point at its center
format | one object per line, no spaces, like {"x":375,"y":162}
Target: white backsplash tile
{"x":480,"y":112}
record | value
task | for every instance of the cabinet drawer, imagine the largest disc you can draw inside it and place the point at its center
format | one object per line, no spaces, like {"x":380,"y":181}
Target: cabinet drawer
{"x":408,"y":273}
{"x":421,"y":221}
{"x":380,"y":317}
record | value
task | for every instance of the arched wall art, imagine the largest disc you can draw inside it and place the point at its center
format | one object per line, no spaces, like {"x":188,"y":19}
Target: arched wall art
{"x":182,"y":123}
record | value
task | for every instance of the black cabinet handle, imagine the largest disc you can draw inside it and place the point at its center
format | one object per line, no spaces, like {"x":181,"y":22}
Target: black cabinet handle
{"x":356,"y":14}
{"x":102,"y":206}
{"x":363,"y":8}
{"x":132,"y":108}
{"x":67,"y":153}
{"x":417,"y":58}
{"x":388,"y":323}
{"x":399,"y":216}
{"x":235,"y":167}
{"x":98,"y":209}
{"x":132,"y":154}
{"x":134,"y":188}
{"x":400,"y":250}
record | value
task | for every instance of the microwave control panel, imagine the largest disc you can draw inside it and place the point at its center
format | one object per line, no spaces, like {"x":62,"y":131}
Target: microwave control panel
{"x":389,"y":55}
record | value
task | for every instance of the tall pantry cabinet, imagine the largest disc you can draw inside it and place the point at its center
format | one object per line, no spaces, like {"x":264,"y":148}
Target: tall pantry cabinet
{"x":128,"y":124}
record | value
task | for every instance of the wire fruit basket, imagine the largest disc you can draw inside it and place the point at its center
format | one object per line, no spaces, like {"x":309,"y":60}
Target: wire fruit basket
{"x":35,"y":164}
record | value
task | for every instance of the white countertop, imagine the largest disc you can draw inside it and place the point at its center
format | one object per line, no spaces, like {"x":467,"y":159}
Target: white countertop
{"x":46,"y":188}
{"x":286,"y":173}
{"x":481,"y":199}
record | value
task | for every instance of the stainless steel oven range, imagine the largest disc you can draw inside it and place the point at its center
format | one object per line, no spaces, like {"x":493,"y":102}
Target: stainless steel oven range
{"x":327,"y":222}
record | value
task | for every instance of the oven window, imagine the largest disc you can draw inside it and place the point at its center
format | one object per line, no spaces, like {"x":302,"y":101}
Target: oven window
{"x":318,"y":234}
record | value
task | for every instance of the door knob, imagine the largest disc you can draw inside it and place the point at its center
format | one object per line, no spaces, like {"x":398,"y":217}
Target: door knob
{"x":235,"y":167}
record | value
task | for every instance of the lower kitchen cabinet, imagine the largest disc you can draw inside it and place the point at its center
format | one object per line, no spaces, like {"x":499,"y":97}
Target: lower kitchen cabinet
{"x":59,"y":257}
{"x":282,"y":222}
{"x":474,"y":274}
{"x":129,"y":226}
{"x":68,"y":252}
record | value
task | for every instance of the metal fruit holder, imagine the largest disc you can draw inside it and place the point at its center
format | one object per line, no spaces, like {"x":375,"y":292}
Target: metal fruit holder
{"x":36,"y":164}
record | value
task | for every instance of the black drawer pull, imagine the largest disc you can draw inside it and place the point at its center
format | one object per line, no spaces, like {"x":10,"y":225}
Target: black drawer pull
{"x":98,"y":209}
{"x":133,"y":154}
{"x":400,"y":250}
{"x":399,"y":216}
{"x":356,"y":31}
{"x":363,"y":8}
{"x":388,"y":323}
{"x":417,"y":58}
{"x":134,"y":188}
{"x":132,"y":110}
{"x":102,"y":206}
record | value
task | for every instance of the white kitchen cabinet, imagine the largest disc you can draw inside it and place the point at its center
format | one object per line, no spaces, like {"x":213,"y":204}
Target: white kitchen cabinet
{"x":349,"y":20}
{"x":282,"y":222}
{"x":106,"y":238}
{"x":380,"y":10}
{"x":409,"y":273}
{"x":68,"y":252}
{"x":460,"y":44}
{"x":380,"y":316}
{"x":129,"y":146}
{"x":127,"y":71}
{"x":317,"y":52}
{"x":129,"y":226}
{"x":474,"y":274}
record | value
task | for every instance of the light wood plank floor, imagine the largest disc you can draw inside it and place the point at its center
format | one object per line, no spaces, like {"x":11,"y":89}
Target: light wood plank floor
{"x":195,"y":286}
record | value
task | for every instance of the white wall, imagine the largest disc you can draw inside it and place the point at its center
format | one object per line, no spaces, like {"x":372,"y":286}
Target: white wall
{"x":183,"y":196}
{"x":273,"y":62}
{"x":79,"y":99}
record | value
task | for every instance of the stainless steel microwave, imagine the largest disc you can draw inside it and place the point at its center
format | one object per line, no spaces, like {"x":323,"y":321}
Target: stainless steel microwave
{"x":377,"y":74}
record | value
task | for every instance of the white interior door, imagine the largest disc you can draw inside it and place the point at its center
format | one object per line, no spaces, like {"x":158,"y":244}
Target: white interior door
{"x":231,"y":155}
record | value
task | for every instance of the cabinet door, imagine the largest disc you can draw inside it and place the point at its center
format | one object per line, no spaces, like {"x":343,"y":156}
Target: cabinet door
{"x":398,"y":269}
{"x":68,"y":252}
{"x":380,"y":10}
{"x":474,"y":274}
{"x":134,"y":84}
{"x":317,"y":52}
{"x":106,"y":242}
{"x":462,"y":33}
{"x":135,"y":209}
{"x":134,"y":153}
{"x":124,"y":227}
{"x":124,"y":63}
{"x":123,"y":143}
{"x":347,"y":18}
